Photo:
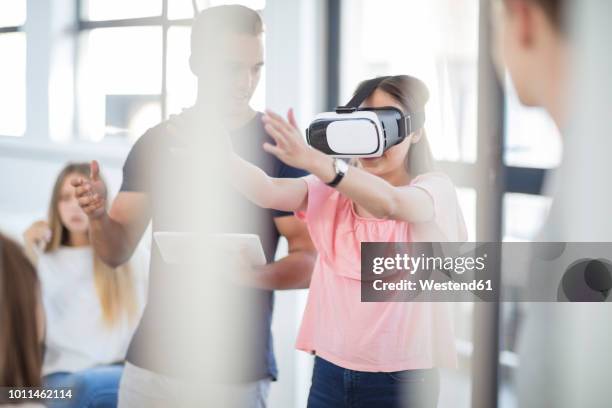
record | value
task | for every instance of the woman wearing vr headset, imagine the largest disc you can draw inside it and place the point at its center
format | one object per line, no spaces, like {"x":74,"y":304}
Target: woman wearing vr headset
{"x":380,"y":353}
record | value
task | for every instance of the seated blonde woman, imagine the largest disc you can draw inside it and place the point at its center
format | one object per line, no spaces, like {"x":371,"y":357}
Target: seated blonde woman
{"x":92,"y":309}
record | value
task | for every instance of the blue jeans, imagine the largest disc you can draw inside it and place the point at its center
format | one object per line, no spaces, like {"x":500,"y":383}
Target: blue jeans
{"x":337,"y":387}
{"x":96,"y":387}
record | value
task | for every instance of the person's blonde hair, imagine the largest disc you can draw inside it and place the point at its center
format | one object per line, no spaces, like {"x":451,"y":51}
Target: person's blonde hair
{"x":115,"y":286}
{"x":412,"y":94}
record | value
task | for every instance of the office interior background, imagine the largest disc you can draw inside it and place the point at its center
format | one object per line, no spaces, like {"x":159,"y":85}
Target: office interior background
{"x":83,"y":79}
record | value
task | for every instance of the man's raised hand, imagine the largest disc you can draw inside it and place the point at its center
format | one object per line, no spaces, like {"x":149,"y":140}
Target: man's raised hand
{"x":91,"y":192}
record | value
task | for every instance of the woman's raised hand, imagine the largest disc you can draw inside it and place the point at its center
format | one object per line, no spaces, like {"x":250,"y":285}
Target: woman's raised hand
{"x":290,"y":147}
{"x":37,"y":235}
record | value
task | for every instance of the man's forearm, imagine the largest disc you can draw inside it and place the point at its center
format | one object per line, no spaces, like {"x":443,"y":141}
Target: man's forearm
{"x":110,"y":241}
{"x":291,"y":272}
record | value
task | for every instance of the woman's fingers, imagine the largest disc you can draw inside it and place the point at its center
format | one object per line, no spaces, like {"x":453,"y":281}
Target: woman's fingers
{"x":291,"y":118}
{"x":270,"y":148}
{"x":279,"y":122}
{"x":290,"y":137}
{"x":276,"y":134}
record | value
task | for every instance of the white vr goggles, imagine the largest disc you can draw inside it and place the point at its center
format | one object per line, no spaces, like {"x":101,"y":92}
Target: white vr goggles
{"x":351,"y":131}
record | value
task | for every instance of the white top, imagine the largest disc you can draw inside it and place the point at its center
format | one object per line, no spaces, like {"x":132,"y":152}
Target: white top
{"x":76,"y":336}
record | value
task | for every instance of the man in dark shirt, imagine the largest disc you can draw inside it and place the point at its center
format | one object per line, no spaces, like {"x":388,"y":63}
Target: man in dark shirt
{"x":226,"y":56}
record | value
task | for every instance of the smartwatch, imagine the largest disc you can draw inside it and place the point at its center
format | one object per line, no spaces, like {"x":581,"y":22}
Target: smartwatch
{"x":340,"y":167}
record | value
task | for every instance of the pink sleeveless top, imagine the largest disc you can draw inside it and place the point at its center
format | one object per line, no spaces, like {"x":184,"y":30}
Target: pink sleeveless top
{"x":385,"y":337}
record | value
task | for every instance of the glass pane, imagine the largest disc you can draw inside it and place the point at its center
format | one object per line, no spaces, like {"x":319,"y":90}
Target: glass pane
{"x":436,"y":41}
{"x":12,"y":13}
{"x":524,"y":215}
{"x":532,"y":138}
{"x":119,"y":9}
{"x":183,"y":8}
{"x":456,"y":383}
{"x":12,"y":84}
{"x":181,"y":84}
{"x":119,"y":81}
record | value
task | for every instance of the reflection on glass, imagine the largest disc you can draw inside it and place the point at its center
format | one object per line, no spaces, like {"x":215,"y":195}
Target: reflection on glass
{"x":12,"y":84}
{"x":120,"y":9}
{"x":532,"y":138}
{"x":524,"y":215}
{"x":12,"y":13}
{"x":119,"y":82}
{"x":436,"y":41}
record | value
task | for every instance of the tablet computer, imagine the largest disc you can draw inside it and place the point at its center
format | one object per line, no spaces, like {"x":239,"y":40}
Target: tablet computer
{"x":180,"y":247}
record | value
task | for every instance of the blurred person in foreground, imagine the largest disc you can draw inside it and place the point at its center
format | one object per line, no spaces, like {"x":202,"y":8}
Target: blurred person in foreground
{"x":22,"y":322}
{"x":541,"y":57}
{"x":534,"y":46}
{"x":191,"y":336}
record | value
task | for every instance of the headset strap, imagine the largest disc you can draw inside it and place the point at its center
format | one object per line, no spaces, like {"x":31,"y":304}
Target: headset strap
{"x":412,"y":122}
{"x":362,"y":95}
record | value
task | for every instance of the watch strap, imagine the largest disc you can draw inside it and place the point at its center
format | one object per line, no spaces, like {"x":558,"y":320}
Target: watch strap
{"x":339,"y":175}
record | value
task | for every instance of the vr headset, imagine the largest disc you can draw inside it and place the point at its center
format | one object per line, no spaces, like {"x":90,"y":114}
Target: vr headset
{"x":352,"y":131}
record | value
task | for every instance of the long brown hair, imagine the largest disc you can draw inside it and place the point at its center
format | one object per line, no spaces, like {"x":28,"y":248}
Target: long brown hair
{"x":115,"y":286}
{"x":412,"y":94}
{"x":20,"y":319}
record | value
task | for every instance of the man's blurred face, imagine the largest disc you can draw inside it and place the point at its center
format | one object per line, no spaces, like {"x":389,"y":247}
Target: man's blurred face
{"x":532,"y":46}
{"x":233,"y":74}
{"x":514,"y":40}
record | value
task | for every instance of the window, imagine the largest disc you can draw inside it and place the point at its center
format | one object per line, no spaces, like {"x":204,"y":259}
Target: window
{"x":12,"y":68}
{"x":119,"y":88}
{"x":436,"y":42}
{"x":133,"y":65}
{"x":524,"y":215}
{"x":100,"y":10}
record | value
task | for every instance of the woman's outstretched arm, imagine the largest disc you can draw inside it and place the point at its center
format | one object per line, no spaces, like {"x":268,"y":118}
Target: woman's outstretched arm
{"x":285,"y":194}
{"x":376,"y":195}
